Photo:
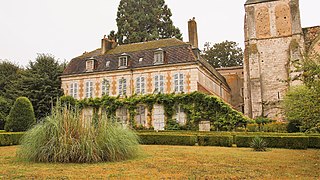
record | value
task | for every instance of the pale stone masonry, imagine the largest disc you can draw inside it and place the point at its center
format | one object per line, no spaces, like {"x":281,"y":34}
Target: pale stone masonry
{"x":274,"y":40}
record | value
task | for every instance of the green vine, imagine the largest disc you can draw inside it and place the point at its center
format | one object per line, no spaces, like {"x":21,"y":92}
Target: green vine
{"x":197,"y":106}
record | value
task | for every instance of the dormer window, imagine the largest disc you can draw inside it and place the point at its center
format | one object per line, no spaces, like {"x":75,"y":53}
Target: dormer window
{"x":123,"y":61}
{"x":90,"y":64}
{"x":158,"y":56}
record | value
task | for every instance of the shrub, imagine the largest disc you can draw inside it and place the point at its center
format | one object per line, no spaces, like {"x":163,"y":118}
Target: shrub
{"x":258,"y":144}
{"x":66,"y":137}
{"x":21,"y":116}
{"x":314,"y":142}
{"x":211,"y":140}
{"x":8,"y":139}
{"x":289,"y":142}
{"x":168,"y":139}
{"x":4,"y":111}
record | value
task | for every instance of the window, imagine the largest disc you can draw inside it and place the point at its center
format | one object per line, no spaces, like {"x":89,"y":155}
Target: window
{"x":122,"y":115}
{"x":180,"y":115}
{"x":105,"y":87}
{"x":141,"y":116}
{"x":122,"y":86}
{"x":158,"y":56}
{"x":107,"y":64}
{"x":178,"y":82}
{"x":89,"y":89}
{"x":90,"y":64}
{"x":123,"y":61}
{"x":159,"y":83}
{"x":74,"y":90}
{"x":140,"y":85}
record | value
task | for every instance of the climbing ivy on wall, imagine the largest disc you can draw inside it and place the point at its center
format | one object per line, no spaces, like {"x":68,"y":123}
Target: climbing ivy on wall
{"x":197,"y":106}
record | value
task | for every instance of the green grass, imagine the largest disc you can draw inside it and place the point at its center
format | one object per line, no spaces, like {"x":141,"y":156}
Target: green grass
{"x":176,"y":162}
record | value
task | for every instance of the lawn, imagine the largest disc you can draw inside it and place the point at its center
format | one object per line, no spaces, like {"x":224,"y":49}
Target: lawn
{"x":177,"y":162}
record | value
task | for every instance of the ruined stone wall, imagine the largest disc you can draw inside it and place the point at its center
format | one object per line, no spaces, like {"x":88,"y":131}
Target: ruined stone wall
{"x":312,"y":39}
{"x":273,"y":38}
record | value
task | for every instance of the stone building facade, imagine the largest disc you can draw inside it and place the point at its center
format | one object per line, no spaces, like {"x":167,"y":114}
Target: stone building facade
{"x":274,"y":41}
{"x":161,"y":66}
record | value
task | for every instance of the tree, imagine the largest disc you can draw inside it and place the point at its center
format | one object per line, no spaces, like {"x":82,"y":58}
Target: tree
{"x":144,"y":20}
{"x":9,"y":72}
{"x":21,"y":116}
{"x":302,"y":103}
{"x":40,"y":83}
{"x":4,"y":111}
{"x":225,"y":54}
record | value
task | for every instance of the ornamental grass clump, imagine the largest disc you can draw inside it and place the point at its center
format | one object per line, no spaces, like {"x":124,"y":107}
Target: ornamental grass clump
{"x":67,"y":137}
{"x":258,"y":144}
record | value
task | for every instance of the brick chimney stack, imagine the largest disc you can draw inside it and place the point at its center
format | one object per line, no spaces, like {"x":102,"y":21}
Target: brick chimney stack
{"x":107,"y":44}
{"x":193,"y":34}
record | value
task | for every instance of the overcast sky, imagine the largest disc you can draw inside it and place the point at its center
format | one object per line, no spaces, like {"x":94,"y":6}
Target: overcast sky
{"x":67,"y":28}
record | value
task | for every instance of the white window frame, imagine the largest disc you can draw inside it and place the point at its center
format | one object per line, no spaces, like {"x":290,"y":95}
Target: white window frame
{"x":178,"y":82}
{"x":105,"y":87}
{"x":90,"y":64}
{"x":180,"y":115}
{"x":123,"y":62}
{"x":74,"y":90}
{"x":159,"y":83}
{"x":140,"y":85}
{"x":158,"y":57}
{"x":122,"y":86}
{"x":89,"y":89}
{"x":122,"y":115}
{"x":141,"y":115}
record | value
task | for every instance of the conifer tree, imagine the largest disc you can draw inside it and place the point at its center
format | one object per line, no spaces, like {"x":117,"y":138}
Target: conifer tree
{"x":144,"y":20}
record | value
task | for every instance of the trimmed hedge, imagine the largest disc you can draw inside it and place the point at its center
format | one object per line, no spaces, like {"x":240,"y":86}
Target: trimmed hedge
{"x":288,"y":142}
{"x":314,"y":142}
{"x":186,"y":140}
{"x":9,"y":139}
{"x":225,"y":141}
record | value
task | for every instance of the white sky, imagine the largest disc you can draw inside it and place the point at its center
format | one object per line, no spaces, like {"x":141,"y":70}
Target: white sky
{"x":67,"y":28}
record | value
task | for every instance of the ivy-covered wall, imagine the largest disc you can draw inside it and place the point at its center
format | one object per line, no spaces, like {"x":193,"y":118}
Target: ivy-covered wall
{"x":197,"y":106}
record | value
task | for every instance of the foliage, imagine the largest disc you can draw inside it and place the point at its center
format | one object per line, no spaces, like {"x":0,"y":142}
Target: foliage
{"x":215,"y":140}
{"x":144,"y":20}
{"x":9,"y":72}
{"x":67,"y":137}
{"x":268,"y":127}
{"x":301,"y":103}
{"x":40,"y":82}
{"x":21,"y":116}
{"x":258,"y":144}
{"x":224,"y":54}
{"x":301,"y":106}
{"x":314,"y":142}
{"x":4,"y":111}
{"x":197,"y":106}
{"x":167,"y":139}
{"x":288,"y":142}
{"x":9,"y":139}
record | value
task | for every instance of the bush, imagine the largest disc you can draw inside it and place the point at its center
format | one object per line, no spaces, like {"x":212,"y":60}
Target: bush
{"x":258,"y":144}
{"x":9,"y":139}
{"x":210,"y":140}
{"x":167,"y":139}
{"x":268,"y":127}
{"x":4,"y":111}
{"x":68,"y":138}
{"x":288,"y":142}
{"x":21,"y":116}
{"x":314,"y":142}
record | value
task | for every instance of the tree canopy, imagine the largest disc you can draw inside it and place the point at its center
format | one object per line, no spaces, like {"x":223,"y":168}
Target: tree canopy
{"x":224,"y":54}
{"x":144,"y":20}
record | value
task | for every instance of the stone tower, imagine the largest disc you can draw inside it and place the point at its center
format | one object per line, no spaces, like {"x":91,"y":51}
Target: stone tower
{"x":273,"y":42}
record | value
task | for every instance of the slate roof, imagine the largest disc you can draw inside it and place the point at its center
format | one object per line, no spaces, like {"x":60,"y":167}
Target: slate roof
{"x":257,"y":1}
{"x":175,"y":52}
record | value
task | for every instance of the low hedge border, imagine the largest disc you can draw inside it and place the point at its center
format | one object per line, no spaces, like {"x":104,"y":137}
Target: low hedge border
{"x":225,"y":141}
{"x":288,"y":142}
{"x":9,"y":139}
{"x":150,"y":139}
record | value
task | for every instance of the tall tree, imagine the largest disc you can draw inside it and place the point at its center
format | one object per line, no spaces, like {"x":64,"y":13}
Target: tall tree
{"x":224,"y":54}
{"x":40,"y":83}
{"x":9,"y":72}
{"x":144,"y":20}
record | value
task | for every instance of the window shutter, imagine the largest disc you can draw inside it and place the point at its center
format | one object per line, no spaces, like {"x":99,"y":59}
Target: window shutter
{"x":142,"y":85}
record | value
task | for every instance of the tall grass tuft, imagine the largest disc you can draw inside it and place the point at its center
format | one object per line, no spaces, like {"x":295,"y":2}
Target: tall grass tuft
{"x":258,"y":144}
{"x":66,"y":137}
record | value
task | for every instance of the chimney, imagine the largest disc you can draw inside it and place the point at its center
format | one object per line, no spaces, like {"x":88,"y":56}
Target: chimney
{"x":107,"y":44}
{"x":193,"y":34}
